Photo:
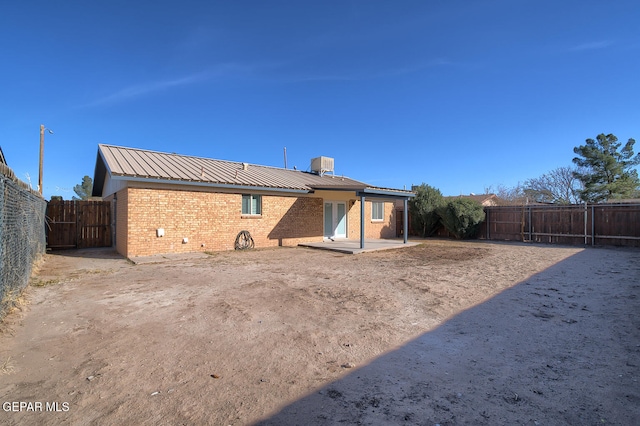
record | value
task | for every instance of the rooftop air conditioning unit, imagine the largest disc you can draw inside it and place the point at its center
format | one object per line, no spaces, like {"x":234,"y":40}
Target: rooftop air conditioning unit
{"x":321,"y":165}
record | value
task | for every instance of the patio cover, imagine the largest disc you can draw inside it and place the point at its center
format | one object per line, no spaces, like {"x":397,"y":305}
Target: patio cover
{"x":384,"y":194}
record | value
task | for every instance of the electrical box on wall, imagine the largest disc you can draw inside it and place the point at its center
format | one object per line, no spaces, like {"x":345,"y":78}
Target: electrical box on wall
{"x":185,"y":240}
{"x":160,"y":232}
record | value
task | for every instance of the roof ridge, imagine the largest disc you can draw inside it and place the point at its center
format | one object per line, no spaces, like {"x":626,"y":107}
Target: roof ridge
{"x":170,"y":153}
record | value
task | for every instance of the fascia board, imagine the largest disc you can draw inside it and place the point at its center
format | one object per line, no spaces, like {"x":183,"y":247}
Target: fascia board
{"x":243,"y":188}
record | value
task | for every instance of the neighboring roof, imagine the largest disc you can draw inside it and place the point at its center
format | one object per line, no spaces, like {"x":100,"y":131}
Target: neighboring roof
{"x":623,"y":201}
{"x":483,"y":199}
{"x":144,"y":165}
{"x":2,"y":159}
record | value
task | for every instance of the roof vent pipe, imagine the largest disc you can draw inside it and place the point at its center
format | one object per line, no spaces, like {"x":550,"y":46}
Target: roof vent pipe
{"x":245,"y":166}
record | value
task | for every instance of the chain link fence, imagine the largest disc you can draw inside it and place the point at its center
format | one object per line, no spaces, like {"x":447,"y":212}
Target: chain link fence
{"x":22,"y":235}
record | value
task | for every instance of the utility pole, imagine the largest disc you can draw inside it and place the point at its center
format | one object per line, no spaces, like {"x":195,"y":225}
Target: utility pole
{"x":42,"y":129}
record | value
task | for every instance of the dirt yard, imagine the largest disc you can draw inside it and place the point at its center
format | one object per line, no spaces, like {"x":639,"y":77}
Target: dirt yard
{"x":442,"y":333}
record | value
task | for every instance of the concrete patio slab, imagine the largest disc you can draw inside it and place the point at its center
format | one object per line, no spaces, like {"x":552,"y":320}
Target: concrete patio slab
{"x":353,"y":246}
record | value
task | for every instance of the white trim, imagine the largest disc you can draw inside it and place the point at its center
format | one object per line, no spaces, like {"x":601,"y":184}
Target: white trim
{"x":335,"y":223}
{"x":381,"y":219}
{"x":244,"y":188}
{"x":255,"y":200}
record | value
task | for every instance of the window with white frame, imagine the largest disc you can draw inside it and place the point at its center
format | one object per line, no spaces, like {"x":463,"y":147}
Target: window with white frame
{"x":251,"y":204}
{"x":377,"y":210}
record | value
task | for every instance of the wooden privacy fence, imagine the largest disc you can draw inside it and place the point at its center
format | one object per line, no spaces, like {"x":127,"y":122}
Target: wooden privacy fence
{"x":588,"y":224}
{"x":79,"y":224}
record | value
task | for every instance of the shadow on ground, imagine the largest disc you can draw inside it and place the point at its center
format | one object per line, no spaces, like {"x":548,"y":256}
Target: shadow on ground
{"x":88,"y":253}
{"x":562,"y":347}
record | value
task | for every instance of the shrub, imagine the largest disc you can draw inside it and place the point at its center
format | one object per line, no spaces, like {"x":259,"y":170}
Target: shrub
{"x":424,"y":218}
{"x":462,"y":217}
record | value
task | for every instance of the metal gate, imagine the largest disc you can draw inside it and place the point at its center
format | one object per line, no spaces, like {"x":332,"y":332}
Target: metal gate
{"x":79,"y":224}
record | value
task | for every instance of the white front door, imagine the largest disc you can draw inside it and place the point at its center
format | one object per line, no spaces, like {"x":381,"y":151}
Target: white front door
{"x":335,"y":219}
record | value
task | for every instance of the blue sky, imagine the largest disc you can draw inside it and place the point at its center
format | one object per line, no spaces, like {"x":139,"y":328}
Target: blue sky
{"x":462,"y":95}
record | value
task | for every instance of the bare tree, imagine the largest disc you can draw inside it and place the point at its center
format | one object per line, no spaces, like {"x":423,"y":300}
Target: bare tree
{"x":557,"y":186}
{"x":510,"y":195}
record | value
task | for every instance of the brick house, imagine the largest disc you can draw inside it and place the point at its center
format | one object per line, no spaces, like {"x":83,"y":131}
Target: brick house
{"x":170,"y":203}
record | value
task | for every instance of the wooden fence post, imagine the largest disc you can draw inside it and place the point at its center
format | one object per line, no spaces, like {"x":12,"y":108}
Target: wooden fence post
{"x":585,"y":223}
{"x":593,"y":225}
{"x":530,"y":236}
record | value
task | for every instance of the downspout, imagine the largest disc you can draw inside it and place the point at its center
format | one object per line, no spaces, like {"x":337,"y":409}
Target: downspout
{"x":361,"y":221}
{"x":405,"y":220}
{"x":114,"y":219}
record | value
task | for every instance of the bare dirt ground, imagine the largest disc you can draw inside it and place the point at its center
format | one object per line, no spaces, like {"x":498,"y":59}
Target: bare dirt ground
{"x":442,"y":333}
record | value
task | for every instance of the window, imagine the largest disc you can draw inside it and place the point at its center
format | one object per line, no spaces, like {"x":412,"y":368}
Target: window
{"x":251,"y":204}
{"x":377,"y":210}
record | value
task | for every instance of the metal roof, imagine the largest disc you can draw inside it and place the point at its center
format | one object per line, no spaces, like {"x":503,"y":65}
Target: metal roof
{"x":139,"y":164}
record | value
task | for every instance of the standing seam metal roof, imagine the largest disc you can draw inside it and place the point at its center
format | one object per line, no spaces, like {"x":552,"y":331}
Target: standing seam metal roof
{"x":139,"y":163}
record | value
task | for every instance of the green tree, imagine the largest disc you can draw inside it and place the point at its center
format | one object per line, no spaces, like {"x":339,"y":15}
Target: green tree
{"x":422,"y":207}
{"x":462,"y":217}
{"x":606,"y":171}
{"x":84,"y":190}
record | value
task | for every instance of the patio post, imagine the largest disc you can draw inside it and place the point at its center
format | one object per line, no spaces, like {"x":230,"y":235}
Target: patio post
{"x":405,"y":220}
{"x":361,"y":221}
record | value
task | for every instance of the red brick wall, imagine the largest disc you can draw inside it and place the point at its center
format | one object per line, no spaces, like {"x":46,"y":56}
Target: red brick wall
{"x":210,"y":221}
